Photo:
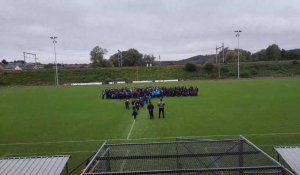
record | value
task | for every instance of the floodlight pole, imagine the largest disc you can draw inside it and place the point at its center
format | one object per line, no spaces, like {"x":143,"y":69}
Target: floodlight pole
{"x":35,"y":61}
{"x":24,"y":57}
{"x":216,"y":54}
{"x":56,"y":72}
{"x":223,"y":52}
{"x":121,"y":57}
{"x":238,"y":36}
{"x":218,"y":60}
{"x":159,"y":60}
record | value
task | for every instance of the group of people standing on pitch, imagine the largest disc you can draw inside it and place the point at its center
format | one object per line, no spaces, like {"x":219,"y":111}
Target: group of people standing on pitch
{"x":137,"y":103}
{"x":149,"y":92}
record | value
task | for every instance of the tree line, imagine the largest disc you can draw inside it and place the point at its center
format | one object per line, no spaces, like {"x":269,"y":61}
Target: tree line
{"x":131,"y":57}
{"x":271,"y":53}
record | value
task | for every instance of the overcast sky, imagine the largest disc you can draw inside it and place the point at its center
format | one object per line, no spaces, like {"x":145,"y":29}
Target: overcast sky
{"x":174,"y":29}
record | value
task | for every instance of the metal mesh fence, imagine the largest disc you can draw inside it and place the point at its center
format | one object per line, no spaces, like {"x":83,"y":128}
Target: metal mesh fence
{"x":185,"y":156}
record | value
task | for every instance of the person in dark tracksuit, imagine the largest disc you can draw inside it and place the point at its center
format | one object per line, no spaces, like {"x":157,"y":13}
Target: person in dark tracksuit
{"x":103,"y":94}
{"x":142,"y":102}
{"x":150,"y":108}
{"x":133,"y":103}
{"x":161,"y":108}
{"x":137,"y":104}
{"x":126,"y":104}
{"x":134,"y":113}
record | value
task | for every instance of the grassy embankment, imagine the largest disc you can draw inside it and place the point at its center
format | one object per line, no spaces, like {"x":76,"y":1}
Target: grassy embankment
{"x":248,"y":70}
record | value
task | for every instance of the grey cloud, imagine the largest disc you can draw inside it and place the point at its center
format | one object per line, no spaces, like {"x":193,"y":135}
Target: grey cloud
{"x":172,"y":28}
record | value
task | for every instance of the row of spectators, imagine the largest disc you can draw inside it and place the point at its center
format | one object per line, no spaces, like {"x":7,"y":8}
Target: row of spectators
{"x":149,"y":92}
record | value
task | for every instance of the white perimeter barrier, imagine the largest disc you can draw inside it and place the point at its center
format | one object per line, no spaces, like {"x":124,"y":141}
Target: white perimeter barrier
{"x":118,"y":82}
{"x":165,"y":81}
{"x":124,"y":82}
{"x":86,"y":84}
{"x":144,"y":81}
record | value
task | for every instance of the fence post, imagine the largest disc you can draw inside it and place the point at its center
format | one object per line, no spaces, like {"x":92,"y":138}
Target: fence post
{"x":241,"y":155}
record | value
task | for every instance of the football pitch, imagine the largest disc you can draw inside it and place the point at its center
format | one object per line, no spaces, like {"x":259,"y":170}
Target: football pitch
{"x":76,"y":121}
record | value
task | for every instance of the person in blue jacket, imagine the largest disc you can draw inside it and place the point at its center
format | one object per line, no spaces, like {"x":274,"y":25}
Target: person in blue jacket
{"x":150,"y":108}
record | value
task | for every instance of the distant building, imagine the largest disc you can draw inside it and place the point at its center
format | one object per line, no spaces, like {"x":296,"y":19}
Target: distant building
{"x":18,"y":68}
{"x":14,"y":66}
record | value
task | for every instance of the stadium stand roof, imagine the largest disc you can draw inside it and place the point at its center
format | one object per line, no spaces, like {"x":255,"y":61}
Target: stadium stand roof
{"x":50,"y":165}
{"x":291,"y":155}
{"x":184,"y":156}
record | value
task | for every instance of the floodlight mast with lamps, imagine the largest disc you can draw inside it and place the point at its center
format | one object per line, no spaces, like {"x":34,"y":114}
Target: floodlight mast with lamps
{"x":238,"y":36}
{"x":56,"y":73}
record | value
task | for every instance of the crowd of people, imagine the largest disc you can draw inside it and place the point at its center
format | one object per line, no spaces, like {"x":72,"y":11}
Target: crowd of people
{"x":125,"y":93}
{"x":143,"y":97}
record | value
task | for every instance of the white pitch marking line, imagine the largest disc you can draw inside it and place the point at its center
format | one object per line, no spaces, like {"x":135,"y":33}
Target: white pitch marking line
{"x":146,"y":138}
{"x":128,"y":136}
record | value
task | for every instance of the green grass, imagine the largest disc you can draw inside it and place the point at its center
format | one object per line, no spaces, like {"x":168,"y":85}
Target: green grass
{"x":223,"y":109}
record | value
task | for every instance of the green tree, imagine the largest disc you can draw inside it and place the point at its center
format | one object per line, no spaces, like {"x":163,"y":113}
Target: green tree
{"x":190,"y":67}
{"x":132,"y":57}
{"x":97,"y":57}
{"x":148,"y":59}
{"x":283,"y":54}
{"x":209,"y":67}
{"x":259,"y":56}
{"x":245,"y":55}
{"x":4,"y":62}
{"x":108,"y":63}
{"x":230,"y":56}
{"x":114,"y":59}
{"x":273,"y":52}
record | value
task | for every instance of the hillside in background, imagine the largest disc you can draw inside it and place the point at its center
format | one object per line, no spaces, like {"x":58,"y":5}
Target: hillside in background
{"x":295,"y":51}
{"x":245,"y":56}
{"x":199,"y":59}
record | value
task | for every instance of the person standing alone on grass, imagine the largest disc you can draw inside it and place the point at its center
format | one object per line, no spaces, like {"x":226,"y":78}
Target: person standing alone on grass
{"x":103,"y":94}
{"x":150,"y":108}
{"x":126,"y":104}
{"x":134,"y":113}
{"x":161,"y":108}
